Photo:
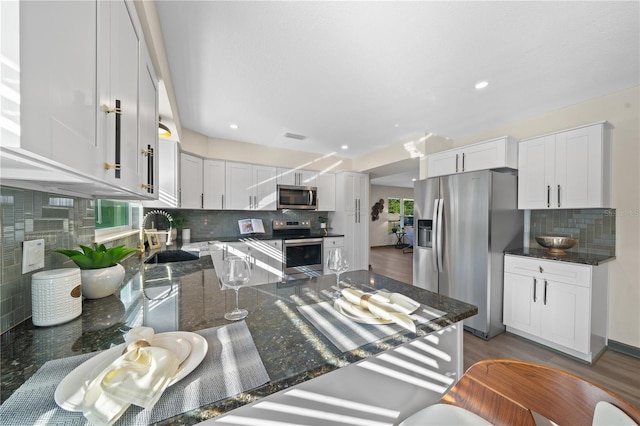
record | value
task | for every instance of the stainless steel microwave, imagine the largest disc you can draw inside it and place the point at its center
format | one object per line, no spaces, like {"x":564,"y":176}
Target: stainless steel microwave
{"x":297,"y":197}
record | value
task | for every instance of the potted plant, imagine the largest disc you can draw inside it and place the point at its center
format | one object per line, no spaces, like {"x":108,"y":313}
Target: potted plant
{"x":323,"y":223}
{"x":100,"y":270}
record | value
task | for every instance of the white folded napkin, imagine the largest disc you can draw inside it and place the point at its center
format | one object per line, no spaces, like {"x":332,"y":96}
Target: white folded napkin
{"x":381,"y":306}
{"x":138,"y":377}
{"x":139,"y":333}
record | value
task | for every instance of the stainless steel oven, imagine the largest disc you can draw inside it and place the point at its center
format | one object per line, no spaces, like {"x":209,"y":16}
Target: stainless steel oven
{"x":302,"y":251}
{"x":302,"y":257}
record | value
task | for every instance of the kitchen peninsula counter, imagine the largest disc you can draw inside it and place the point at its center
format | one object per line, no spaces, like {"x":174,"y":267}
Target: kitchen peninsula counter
{"x":292,"y":350}
{"x":571,"y":257}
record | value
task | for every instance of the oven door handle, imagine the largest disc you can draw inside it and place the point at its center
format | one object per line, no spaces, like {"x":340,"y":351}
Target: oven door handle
{"x":304,"y":241}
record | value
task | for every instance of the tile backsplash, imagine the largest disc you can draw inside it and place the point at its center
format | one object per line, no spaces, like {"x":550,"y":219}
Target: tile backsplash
{"x":595,"y":228}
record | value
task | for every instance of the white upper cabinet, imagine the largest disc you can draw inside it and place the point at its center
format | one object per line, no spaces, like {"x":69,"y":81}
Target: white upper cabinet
{"x":494,"y":154}
{"x":191,"y":182}
{"x":213,"y":184}
{"x":566,"y":170}
{"x":296,"y":177}
{"x":326,"y":183}
{"x":250,"y":187}
{"x":58,"y":56}
{"x":167,"y":183}
{"x":87,"y":97}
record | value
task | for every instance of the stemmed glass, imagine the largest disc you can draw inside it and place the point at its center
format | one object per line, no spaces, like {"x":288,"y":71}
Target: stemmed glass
{"x":337,"y":262}
{"x":235,"y":273}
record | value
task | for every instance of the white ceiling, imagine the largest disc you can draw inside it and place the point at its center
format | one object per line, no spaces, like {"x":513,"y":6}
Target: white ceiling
{"x":369,"y":74}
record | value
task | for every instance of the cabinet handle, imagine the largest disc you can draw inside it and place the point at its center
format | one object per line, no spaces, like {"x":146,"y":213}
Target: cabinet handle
{"x":558,"y":195}
{"x":150,"y":171}
{"x":255,"y":201}
{"x":108,"y":110}
{"x":202,"y":200}
{"x":222,"y":201}
{"x":250,"y":203}
{"x":535,"y":284}
{"x":548,"y":196}
{"x":546,"y":284}
{"x":463,"y":161}
{"x":180,"y":197}
{"x":541,"y":270}
{"x":109,"y":166}
{"x":456,"y":163}
{"x":118,"y":136}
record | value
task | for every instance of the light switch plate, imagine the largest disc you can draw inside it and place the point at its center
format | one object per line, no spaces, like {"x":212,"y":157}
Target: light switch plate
{"x":32,"y":255}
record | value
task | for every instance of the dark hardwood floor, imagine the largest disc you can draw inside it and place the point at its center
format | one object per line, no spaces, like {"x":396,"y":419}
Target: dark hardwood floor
{"x":614,"y":371}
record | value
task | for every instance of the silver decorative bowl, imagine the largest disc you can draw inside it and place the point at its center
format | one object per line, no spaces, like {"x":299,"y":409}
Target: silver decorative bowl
{"x":556,"y":245}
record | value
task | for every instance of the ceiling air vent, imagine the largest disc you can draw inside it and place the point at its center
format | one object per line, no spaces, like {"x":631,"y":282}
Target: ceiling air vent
{"x":294,"y":136}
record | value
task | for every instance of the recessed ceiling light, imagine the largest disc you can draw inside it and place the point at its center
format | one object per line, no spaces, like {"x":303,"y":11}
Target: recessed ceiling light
{"x":344,"y":147}
{"x":233,"y":126}
{"x":396,"y":125}
{"x":482,"y":85}
{"x":414,"y":179}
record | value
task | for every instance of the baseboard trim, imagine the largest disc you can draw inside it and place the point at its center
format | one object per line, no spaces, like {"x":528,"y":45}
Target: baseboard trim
{"x":623,"y":348}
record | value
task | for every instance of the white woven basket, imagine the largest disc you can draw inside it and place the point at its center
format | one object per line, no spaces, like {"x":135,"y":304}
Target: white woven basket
{"x":56,"y":296}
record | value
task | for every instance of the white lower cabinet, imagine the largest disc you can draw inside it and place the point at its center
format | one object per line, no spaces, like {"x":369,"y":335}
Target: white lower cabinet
{"x":264,"y":257}
{"x":328,"y":244}
{"x":559,"y":304}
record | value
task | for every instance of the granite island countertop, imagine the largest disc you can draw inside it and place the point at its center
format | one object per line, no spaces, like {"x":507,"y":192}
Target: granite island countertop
{"x":571,"y":257}
{"x":291,"y":349}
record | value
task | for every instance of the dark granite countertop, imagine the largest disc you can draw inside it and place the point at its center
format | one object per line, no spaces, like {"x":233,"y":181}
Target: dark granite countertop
{"x":571,"y":257}
{"x":232,"y":238}
{"x":287,"y":343}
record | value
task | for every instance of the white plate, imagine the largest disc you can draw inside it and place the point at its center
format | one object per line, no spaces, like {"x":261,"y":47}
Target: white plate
{"x":70,"y":392}
{"x":360,"y":319}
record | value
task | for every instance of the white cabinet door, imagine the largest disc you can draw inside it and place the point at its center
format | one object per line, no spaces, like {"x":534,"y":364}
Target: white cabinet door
{"x":566,"y":315}
{"x":120,"y":47}
{"x":579,"y":168}
{"x":58,"y":102}
{"x":521,"y":307}
{"x":489,"y":155}
{"x":536,"y":173}
{"x":250,"y":187}
{"x":191,"y":189}
{"x":328,"y":244}
{"x":213,"y":184}
{"x":352,"y":195}
{"x":264,"y":188}
{"x":326,"y":183}
{"x":443,"y":163}
{"x":238,"y":186}
{"x":148,"y":153}
{"x":167,"y":182}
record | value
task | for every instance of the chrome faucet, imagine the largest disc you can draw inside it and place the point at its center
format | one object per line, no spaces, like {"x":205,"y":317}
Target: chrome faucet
{"x":144,"y":220}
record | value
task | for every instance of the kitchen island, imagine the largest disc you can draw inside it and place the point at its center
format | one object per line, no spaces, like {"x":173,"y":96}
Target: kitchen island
{"x":186,"y":296}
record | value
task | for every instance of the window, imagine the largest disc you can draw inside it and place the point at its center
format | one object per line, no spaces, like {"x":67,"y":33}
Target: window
{"x":400,"y":213}
{"x":113,"y":216}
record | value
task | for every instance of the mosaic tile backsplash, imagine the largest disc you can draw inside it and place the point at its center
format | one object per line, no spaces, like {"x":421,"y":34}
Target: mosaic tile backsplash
{"x":595,"y":228}
{"x":64,"y":221}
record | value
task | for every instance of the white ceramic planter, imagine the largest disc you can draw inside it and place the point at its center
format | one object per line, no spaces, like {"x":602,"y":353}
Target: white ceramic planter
{"x":98,"y":283}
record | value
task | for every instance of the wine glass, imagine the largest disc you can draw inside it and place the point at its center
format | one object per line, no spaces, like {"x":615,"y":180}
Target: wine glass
{"x":235,"y":273}
{"x":337,"y":262}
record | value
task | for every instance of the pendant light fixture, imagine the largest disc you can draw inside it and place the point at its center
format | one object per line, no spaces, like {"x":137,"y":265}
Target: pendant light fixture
{"x":163,"y":130}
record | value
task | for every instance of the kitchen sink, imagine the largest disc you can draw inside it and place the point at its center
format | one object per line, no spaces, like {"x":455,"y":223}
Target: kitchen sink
{"x":171,"y":256}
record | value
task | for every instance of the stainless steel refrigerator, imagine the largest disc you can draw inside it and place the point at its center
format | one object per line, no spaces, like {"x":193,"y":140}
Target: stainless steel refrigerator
{"x":462,"y":225}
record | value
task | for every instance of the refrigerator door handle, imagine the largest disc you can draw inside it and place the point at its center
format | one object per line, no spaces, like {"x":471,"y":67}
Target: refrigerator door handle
{"x":439,"y":236}
{"x":434,"y":233}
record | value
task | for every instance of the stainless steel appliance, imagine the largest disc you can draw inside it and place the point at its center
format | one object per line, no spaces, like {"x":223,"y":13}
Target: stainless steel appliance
{"x":297,"y":197}
{"x":465,"y":222}
{"x":302,"y":251}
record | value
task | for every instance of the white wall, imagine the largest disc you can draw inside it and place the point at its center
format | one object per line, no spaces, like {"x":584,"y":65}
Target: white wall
{"x":622,"y":111}
{"x":378,"y":230}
